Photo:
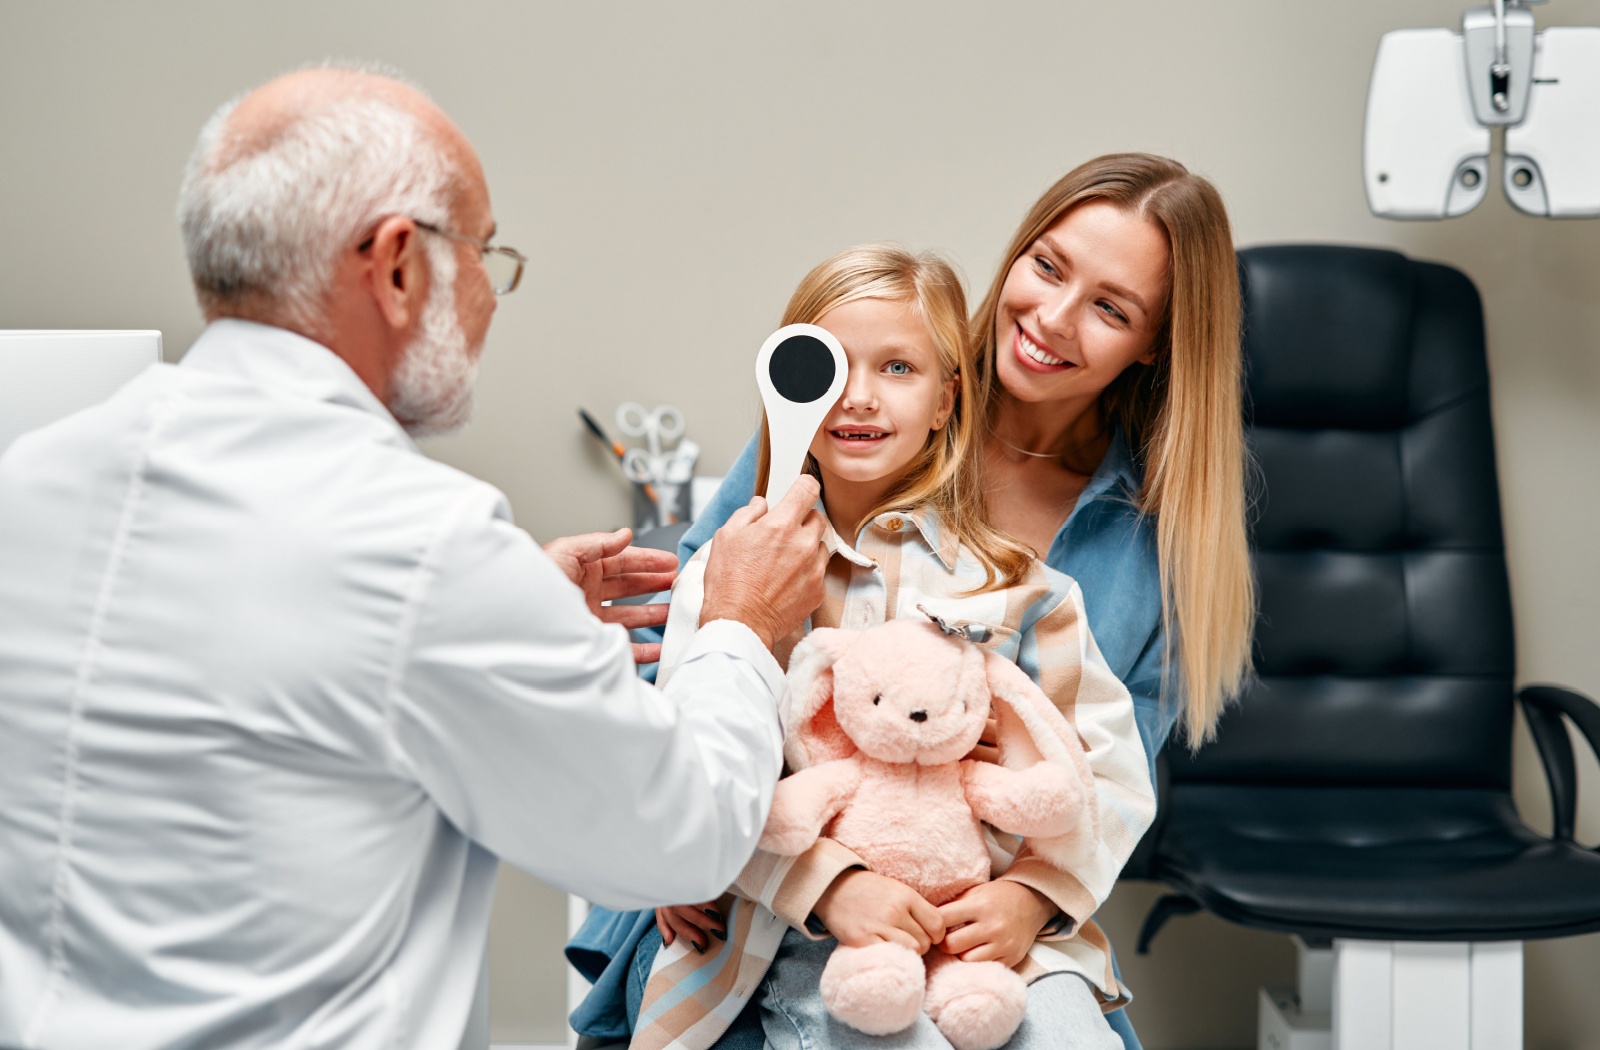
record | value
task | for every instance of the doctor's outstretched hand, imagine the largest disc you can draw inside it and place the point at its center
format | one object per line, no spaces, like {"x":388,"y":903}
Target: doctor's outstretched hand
{"x":766,"y":564}
{"x":604,"y":567}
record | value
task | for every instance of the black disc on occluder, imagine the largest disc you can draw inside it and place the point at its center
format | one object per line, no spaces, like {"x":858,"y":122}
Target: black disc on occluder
{"x":801,"y":368}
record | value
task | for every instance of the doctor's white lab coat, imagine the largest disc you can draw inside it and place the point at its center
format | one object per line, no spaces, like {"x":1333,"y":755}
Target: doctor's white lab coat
{"x":275,"y":689}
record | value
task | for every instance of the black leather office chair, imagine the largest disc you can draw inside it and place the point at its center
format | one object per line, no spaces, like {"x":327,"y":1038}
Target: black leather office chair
{"x":1360,"y":793}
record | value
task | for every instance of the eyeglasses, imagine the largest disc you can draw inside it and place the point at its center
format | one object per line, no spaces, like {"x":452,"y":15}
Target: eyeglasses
{"x":504,"y":265}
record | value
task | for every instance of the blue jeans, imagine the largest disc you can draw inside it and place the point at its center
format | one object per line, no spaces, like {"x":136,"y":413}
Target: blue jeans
{"x":748,"y":1032}
{"x":1062,"y":1013}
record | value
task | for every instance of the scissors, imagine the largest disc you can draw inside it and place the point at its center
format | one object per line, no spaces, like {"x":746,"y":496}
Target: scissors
{"x":665,"y":423}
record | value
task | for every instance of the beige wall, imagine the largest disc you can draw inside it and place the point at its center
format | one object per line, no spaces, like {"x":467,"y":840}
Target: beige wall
{"x":672,"y":169}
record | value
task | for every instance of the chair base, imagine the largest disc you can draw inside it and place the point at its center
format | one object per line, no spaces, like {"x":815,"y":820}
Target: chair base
{"x":1398,"y":995}
{"x":1300,"y":1018}
{"x":1284,"y":1025}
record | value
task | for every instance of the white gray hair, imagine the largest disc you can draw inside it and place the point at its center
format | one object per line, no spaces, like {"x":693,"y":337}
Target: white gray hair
{"x":430,"y":390}
{"x":265,"y":221}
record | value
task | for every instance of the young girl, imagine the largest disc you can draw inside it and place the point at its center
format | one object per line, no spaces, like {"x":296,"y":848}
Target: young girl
{"x":899,"y":471}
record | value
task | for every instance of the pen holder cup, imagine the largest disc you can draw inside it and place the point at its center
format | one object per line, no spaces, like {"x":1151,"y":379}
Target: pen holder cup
{"x":670,"y":507}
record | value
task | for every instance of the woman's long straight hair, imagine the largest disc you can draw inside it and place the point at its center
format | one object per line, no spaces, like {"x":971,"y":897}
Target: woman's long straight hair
{"x":945,"y":476}
{"x":1182,"y":415}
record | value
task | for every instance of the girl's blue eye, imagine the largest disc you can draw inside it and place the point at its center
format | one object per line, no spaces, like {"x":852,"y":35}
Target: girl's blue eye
{"x":898,"y":368}
{"x":1044,"y":265}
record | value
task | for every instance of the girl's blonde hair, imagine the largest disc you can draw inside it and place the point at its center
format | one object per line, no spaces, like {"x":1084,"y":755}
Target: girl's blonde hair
{"x":945,"y":476}
{"x":1181,"y":414}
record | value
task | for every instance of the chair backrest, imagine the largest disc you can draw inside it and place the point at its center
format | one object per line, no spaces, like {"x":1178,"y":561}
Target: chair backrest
{"x":1384,"y":648}
{"x":45,"y":375}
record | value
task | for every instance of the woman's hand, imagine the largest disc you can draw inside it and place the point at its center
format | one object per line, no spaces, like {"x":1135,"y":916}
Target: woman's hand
{"x":695,"y":923}
{"x":995,"y":920}
{"x":862,"y":907}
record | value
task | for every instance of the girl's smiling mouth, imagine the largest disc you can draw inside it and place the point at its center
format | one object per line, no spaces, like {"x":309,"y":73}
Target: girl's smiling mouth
{"x":858,"y":435}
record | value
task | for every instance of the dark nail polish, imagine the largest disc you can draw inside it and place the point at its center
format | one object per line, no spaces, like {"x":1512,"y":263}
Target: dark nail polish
{"x":720,"y":935}
{"x":697,"y":947}
{"x":714,"y":914}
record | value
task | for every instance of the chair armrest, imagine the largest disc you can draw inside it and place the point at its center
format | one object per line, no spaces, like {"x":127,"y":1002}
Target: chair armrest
{"x":1545,"y":707}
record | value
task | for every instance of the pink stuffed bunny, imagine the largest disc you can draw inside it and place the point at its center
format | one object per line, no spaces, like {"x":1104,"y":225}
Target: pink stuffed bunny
{"x":879,"y":724}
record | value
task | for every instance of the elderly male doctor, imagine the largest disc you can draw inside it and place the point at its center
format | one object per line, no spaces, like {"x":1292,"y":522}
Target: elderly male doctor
{"x":276,"y":690}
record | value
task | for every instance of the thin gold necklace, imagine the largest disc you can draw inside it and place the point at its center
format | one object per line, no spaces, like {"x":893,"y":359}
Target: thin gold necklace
{"x":1063,"y":454}
{"x":1025,"y":452}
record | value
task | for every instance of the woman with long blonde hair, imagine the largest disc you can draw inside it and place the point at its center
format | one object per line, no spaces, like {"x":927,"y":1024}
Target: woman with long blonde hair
{"x":1109,"y":341}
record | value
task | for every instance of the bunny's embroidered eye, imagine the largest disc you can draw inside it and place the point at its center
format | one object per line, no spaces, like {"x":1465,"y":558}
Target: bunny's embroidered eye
{"x":876,"y":699}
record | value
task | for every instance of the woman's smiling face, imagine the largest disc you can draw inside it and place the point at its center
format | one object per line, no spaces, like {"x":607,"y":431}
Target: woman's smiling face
{"x":1082,"y":303}
{"x":894,"y":395}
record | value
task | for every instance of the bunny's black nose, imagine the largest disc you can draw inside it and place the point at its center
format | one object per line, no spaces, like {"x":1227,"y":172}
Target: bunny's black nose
{"x":919,"y":716}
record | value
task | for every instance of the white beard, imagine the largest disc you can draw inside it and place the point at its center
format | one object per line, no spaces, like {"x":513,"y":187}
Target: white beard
{"x":431,"y":389}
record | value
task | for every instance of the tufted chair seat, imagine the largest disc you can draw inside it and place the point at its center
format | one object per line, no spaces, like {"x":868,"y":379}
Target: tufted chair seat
{"x":1427,"y":864}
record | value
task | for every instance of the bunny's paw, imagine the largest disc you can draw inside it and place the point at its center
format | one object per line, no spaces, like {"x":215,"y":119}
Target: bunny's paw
{"x":876,"y":989}
{"x":975,"y":1005}
{"x":787,"y":839}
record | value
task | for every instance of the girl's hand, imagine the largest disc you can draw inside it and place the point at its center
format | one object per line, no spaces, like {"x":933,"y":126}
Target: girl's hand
{"x":695,"y":923}
{"x":995,"y":920}
{"x":985,"y":750}
{"x":862,"y":907}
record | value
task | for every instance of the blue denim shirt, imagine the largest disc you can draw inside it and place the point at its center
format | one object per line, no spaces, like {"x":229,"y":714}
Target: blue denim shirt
{"x":1105,"y":544}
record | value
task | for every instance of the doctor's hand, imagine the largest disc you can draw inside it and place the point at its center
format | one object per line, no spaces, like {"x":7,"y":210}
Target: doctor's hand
{"x":765,"y":568}
{"x":605,"y":568}
{"x":861,"y":907}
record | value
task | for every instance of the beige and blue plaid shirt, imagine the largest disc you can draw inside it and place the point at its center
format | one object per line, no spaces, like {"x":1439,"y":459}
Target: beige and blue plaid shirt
{"x":901,"y":566}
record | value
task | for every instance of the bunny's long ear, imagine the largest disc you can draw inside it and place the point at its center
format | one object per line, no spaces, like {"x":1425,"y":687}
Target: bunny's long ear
{"x":1030,"y":728}
{"x":811,"y":733}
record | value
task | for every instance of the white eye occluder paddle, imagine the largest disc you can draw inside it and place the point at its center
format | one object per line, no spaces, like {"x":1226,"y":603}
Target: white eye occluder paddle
{"x":801,"y":371}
